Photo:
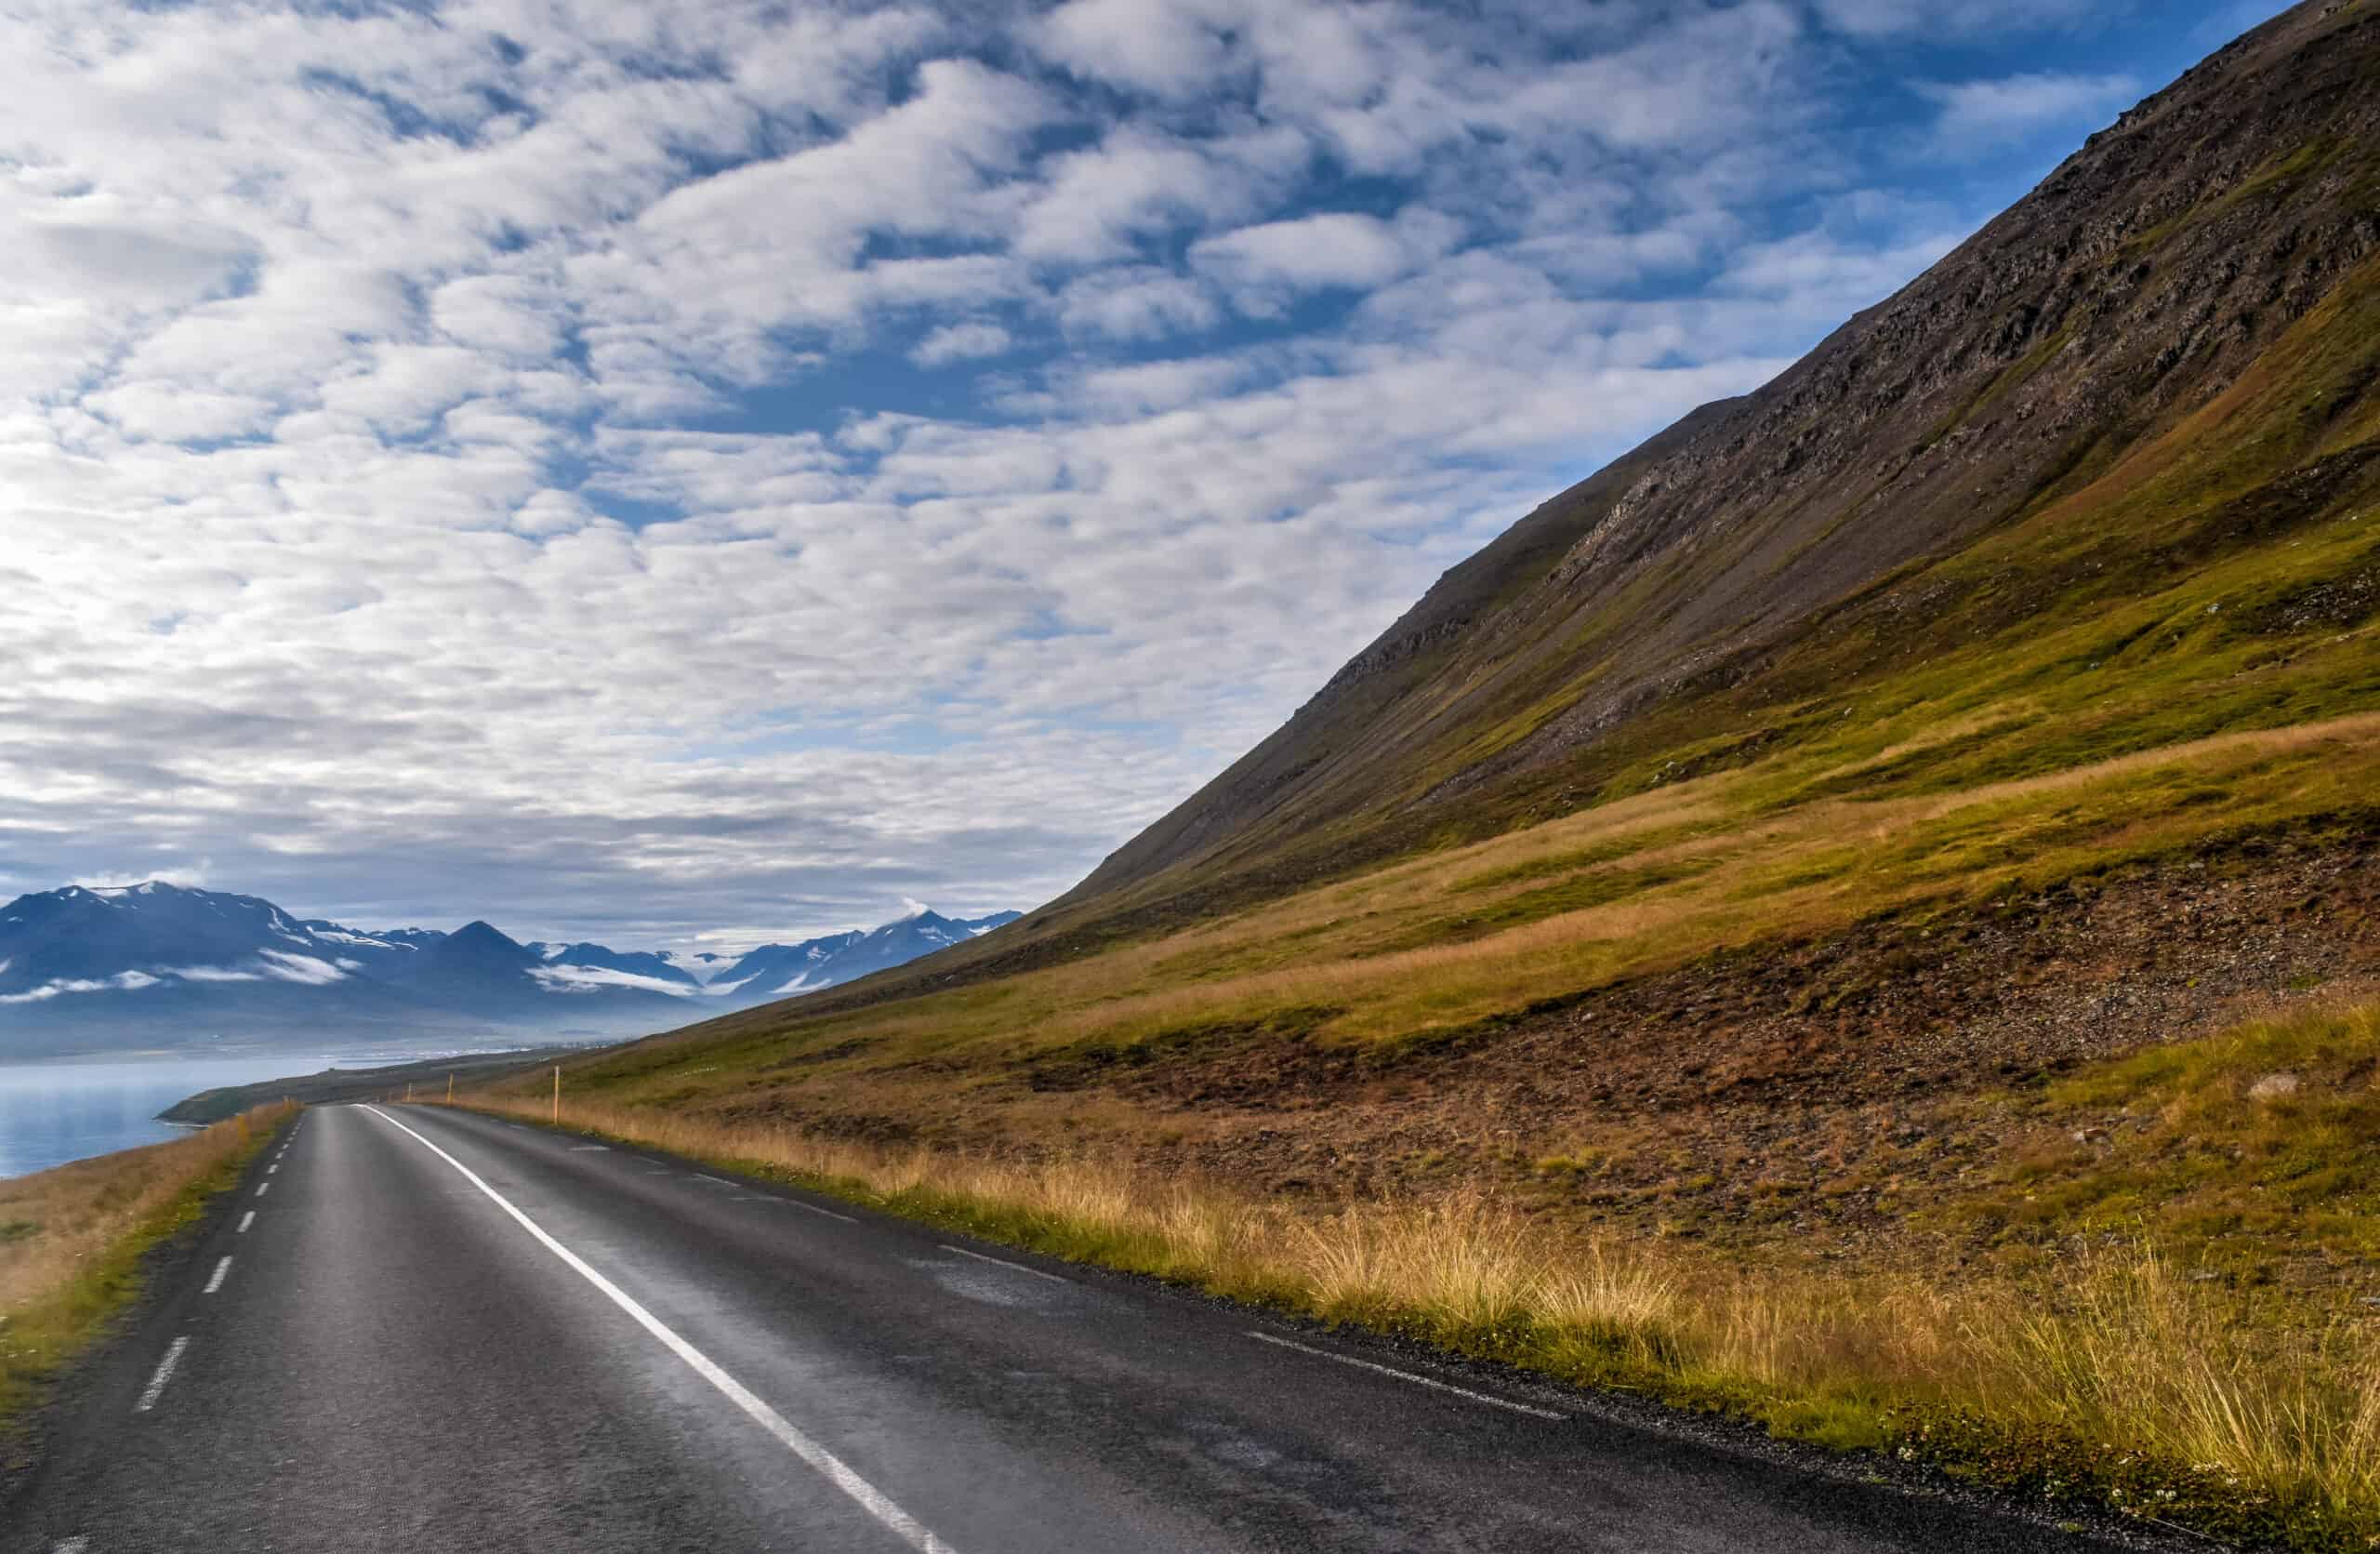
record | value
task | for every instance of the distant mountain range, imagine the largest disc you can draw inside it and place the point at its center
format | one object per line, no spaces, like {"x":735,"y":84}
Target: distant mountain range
{"x":156,"y":964}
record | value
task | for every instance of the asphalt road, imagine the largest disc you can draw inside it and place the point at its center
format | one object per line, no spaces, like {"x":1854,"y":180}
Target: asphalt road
{"x":417,"y":1329}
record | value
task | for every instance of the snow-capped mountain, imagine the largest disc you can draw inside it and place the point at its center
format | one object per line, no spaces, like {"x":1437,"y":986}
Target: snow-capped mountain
{"x":379,"y":950}
{"x":157,"y":964}
{"x":596,"y":965}
{"x":136,"y":936}
{"x":84,"y":968}
{"x":781,"y":970}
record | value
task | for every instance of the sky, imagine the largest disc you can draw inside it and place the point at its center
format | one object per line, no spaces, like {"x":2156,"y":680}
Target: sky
{"x":689,"y":475}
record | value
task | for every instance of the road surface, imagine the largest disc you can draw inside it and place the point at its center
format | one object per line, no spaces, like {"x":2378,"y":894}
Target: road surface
{"x":417,"y":1329}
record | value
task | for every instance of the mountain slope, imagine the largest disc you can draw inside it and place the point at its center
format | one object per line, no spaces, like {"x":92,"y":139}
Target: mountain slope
{"x":2122,"y":401}
{"x":781,"y":970}
{"x":2058,"y":347}
{"x":378,"y":952}
{"x":2090,"y":486}
{"x":2124,"y":404}
{"x":1994,"y":693}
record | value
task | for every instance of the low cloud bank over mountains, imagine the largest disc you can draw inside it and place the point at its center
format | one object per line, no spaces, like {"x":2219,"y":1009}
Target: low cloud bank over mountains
{"x":90,"y":969}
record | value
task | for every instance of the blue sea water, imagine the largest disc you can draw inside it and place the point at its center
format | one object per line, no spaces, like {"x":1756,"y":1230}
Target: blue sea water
{"x":54,"y":1112}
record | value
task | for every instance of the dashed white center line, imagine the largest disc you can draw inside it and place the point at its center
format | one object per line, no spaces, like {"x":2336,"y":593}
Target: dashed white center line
{"x":1408,"y":1375}
{"x":70,"y":1546}
{"x":1004,"y":1262}
{"x":263,"y":1187}
{"x":217,"y":1282}
{"x":274,"y":1168}
{"x":156,"y":1387}
{"x":246,"y":1220}
{"x":866,"y":1495}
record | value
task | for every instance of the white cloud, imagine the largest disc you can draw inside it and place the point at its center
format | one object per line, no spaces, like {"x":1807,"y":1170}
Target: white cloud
{"x":960,"y":342}
{"x":174,"y":412}
{"x":123,"y":982}
{"x":1095,"y":203}
{"x":1893,"y":18}
{"x":1136,"y":303}
{"x":1981,"y":116}
{"x":286,"y":967}
{"x":588,"y":980}
{"x":187,"y":876}
{"x":1154,"y":45}
{"x":115,"y":263}
{"x":1263,"y":265}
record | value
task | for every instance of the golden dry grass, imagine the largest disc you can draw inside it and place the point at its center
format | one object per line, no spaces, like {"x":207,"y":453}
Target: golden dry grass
{"x":1817,"y":867}
{"x":2140,"y":1378}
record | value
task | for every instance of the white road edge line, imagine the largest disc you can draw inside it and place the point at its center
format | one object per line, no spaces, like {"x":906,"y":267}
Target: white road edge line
{"x":156,"y":1387}
{"x":589,"y":1149}
{"x":246,"y":1220}
{"x":216,"y":1283}
{"x":868,"y":1497}
{"x":798,"y":1203}
{"x":721,"y":1180}
{"x":1408,"y":1375}
{"x":1004,"y":1262}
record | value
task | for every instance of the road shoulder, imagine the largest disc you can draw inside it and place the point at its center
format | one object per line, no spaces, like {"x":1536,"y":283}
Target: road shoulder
{"x":117,"y":1353}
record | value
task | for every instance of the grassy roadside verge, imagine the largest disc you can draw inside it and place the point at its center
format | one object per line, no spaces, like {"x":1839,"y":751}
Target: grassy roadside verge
{"x":71,"y":1240}
{"x":2119,"y":1366}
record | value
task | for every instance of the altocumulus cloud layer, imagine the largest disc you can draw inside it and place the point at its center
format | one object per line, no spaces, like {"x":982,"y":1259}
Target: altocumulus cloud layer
{"x":637,"y":471}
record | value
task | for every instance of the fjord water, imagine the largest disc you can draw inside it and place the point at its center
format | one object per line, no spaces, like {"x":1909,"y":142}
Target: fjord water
{"x":54,"y":1112}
